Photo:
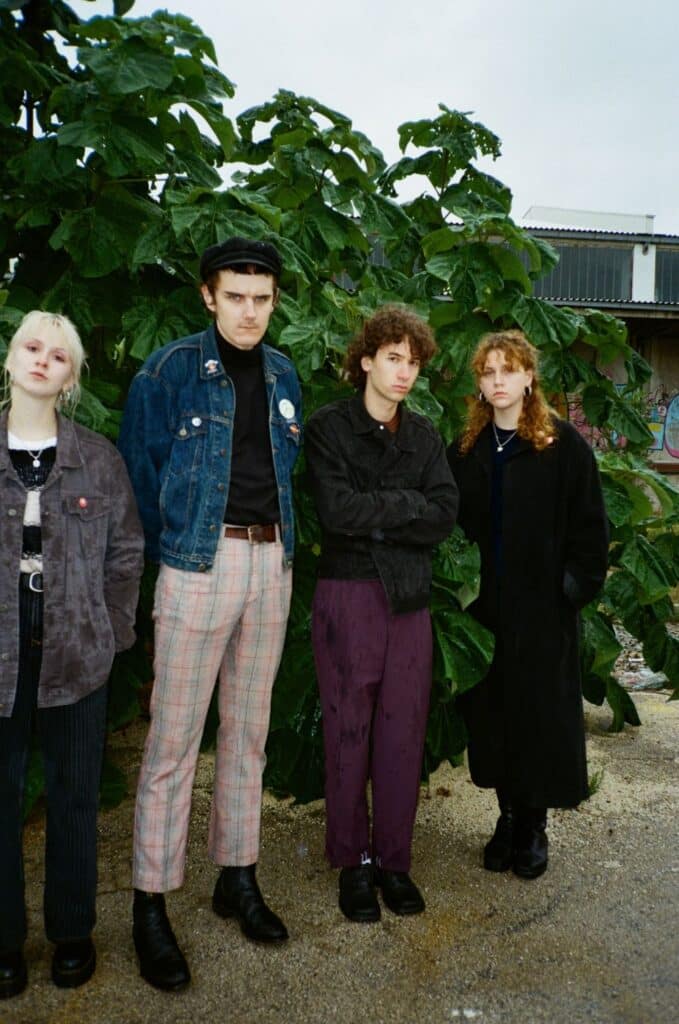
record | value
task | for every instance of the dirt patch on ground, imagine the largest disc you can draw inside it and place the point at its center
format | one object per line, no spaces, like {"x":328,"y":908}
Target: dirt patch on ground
{"x":593,"y":940}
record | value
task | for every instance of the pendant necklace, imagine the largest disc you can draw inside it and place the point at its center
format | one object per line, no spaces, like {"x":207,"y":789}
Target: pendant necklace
{"x":36,"y":457}
{"x":500,"y":447}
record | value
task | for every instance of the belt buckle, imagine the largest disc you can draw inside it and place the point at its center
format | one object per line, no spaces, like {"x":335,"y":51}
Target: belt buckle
{"x":31,"y":585}
{"x":255,"y":534}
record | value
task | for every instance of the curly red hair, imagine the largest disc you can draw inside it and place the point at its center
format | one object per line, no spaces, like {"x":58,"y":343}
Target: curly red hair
{"x":536,"y":422}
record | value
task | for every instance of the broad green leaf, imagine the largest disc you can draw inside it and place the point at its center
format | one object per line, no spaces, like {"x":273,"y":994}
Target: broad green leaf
{"x":259,"y":205}
{"x":383,"y":218}
{"x":619,"y":506}
{"x":666,"y":546}
{"x":621,"y":705}
{"x":602,"y":642}
{"x":510,"y":266}
{"x":645,"y":565}
{"x":423,"y":401}
{"x":621,"y":596}
{"x":91,"y":241}
{"x":546,"y":326}
{"x":456,"y":570}
{"x":446,"y":733}
{"x":629,"y":423}
{"x":306,"y":341}
{"x":596,"y":403}
{"x":465,"y":648}
{"x":129,"y":67}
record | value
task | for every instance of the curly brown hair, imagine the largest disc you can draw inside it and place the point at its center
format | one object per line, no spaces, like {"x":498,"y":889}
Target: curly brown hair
{"x":389,"y":325}
{"x":536,"y":422}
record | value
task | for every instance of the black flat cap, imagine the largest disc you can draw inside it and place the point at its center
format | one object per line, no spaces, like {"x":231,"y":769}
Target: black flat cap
{"x":240,"y":250}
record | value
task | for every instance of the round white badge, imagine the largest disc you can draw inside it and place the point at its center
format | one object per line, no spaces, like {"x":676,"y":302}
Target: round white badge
{"x":286,"y":408}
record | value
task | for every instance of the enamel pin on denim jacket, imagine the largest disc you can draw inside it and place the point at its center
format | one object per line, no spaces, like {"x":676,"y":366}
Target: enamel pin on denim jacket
{"x":176,"y":438}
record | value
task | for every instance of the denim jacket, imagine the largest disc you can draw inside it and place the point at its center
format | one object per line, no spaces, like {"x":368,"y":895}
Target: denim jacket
{"x":381,"y":499}
{"x":92,"y":548}
{"x":176,"y":438}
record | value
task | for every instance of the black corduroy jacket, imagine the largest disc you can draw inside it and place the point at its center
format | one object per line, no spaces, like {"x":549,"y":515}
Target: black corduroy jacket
{"x":383,"y":500}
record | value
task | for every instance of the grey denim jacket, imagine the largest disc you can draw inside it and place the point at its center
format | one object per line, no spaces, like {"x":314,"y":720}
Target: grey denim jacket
{"x":92,"y":544}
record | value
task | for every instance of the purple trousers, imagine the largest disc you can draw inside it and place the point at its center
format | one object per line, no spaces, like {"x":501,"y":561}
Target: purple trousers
{"x":374,"y":677}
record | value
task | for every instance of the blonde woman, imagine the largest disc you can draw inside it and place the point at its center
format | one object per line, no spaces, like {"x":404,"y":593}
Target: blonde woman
{"x":530,"y":497}
{"x":70,"y":562}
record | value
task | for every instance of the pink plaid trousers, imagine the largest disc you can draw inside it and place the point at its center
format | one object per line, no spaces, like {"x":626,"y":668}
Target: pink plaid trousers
{"x":230,"y":624}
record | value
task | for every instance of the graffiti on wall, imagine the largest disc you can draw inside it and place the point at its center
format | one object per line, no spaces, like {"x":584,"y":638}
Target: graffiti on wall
{"x":662,"y":419}
{"x":671,"y":427}
{"x":657,"y":405}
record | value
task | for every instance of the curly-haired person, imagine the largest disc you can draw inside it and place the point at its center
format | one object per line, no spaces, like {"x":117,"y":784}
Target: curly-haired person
{"x":385,"y":496}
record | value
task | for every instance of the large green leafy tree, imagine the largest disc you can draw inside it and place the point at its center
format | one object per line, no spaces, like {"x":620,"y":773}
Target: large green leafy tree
{"x":116,"y":148}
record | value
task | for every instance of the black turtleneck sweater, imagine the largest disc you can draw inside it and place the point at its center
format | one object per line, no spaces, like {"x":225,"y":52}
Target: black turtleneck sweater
{"x":253,"y":494}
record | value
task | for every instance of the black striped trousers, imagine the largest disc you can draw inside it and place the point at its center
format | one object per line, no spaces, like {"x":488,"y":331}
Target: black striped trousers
{"x":71,"y":739}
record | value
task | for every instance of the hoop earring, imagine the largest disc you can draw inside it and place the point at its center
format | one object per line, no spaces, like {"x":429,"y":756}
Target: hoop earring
{"x":527,"y":391}
{"x":66,"y":396}
{"x":482,"y":397}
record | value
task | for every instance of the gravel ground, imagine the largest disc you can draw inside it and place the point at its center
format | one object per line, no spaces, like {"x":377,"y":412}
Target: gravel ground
{"x":594,"y":940}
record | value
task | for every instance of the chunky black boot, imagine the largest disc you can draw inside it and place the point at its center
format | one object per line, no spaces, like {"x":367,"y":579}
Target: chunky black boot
{"x":530,"y":842}
{"x":498,"y":853}
{"x":357,"y":896}
{"x":161,"y":961}
{"x":73,"y":963}
{"x":13,"y":974}
{"x":237,"y":895}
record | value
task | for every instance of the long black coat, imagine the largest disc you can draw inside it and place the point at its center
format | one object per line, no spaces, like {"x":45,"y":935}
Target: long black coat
{"x":525,"y":719}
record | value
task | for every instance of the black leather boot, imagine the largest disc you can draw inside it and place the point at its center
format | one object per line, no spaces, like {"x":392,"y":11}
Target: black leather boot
{"x":399,"y":892}
{"x":357,"y":896}
{"x":237,"y":895}
{"x":161,"y":961}
{"x":73,"y":963}
{"x":530,"y":842}
{"x":498,"y":853}
{"x":13,"y":974}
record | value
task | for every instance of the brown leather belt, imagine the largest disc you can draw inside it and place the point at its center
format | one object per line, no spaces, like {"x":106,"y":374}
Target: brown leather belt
{"x":255,"y":534}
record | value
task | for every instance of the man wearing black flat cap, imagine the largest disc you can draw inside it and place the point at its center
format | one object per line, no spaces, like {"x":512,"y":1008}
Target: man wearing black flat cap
{"x":210,"y":434}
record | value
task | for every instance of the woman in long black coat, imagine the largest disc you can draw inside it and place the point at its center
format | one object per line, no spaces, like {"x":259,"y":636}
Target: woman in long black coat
{"x":530,"y":497}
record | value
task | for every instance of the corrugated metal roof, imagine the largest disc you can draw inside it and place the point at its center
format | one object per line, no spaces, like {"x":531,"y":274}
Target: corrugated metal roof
{"x":626,"y":304}
{"x":600,"y":235}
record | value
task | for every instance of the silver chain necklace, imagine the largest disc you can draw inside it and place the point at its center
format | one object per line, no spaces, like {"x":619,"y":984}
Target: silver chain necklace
{"x":36,"y":456}
{"x":500,"y":447}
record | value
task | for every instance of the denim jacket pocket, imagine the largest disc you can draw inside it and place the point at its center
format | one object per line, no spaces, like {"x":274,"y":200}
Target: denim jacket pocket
{"x":86,"y":526}
{"x":188,"y":445}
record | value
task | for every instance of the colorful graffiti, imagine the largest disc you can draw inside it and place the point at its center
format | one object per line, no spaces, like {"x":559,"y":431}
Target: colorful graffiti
{"x":662,"y":419}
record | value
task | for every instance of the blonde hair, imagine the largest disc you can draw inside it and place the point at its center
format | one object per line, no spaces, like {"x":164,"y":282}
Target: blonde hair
{"x":29,"y":328}
{"x":536,"y":421}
